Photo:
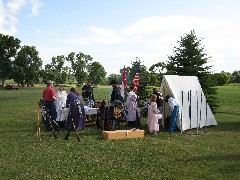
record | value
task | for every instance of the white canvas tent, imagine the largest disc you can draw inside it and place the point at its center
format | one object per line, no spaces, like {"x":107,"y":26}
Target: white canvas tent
{"x":194,"y":112}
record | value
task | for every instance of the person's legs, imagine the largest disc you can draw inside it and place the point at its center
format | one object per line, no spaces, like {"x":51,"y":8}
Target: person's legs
{"x":173,"y":120}
{"x":160,"y":120}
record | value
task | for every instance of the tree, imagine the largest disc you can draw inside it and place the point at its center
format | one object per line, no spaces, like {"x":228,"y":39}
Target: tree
{"x":235,"y":77}
{"x":221,"y":79}
{"x":96,"y":73}
{"x":143,"y":92}
{"x":79,"y":63}
{"x":117,"y":77}
{"x":27,"y":66}
{"x":49,"y":73}
{"x":156,"y":73}
{"x":57,"y":72}
{"x":8,"y":49}
{"x":190,"y":59}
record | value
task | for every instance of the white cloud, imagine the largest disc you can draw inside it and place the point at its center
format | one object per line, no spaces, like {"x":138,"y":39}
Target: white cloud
{"x":14,"y":6}
{"x":152,"y":39}
{"x":36,"y":6}
{"x":95,"y":35}
{"x":10,"y":10}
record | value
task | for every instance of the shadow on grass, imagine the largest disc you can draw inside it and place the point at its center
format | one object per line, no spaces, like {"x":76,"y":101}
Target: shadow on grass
{"x":232,"y":161}
{"x":223,"y":112}
{"x":228,"y":126}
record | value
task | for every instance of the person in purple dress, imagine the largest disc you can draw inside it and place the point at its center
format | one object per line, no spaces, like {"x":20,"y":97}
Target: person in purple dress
{"x":76,"y":116}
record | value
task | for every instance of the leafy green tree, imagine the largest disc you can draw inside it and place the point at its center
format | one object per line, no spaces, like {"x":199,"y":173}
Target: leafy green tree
{"x":96,"y":73}
{"x":190,"y":59}
{"x":27,"y":66}
{"x":60,"y":74}
{"x":56,"y":71}
{"x":79,"y":63}
{"x":221,"y":79}
{"x":235,"y":77}
{"x":49,"y":73}
{"x":8,"y":49}
{"x":117,"y":77}
{"x":156,"y":73}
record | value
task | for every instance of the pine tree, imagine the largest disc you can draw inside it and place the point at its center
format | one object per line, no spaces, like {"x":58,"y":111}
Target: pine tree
{"x":190,"y":59}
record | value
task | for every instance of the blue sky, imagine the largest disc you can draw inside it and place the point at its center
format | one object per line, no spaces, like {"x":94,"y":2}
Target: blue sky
{"x":114,"y":32}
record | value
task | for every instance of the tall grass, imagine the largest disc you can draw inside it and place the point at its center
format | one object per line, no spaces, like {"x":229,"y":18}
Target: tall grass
{"x":214,"y":154}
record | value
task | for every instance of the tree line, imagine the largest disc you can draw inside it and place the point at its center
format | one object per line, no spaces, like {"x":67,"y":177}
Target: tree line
{"x":24,"y":66}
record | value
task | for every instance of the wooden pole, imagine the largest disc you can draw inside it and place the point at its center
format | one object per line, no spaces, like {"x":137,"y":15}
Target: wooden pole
{"x":164,"y":108}
{"x":181,"y":114}
{"x":38,"y":121}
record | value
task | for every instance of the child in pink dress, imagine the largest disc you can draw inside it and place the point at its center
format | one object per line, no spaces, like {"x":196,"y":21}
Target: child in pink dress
{"x":153,"y":115}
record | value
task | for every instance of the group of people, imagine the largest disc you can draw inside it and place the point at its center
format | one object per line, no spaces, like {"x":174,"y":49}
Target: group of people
{"x":76,"y":103}
{"x":155,"y":110}
{"x":55,"y":103}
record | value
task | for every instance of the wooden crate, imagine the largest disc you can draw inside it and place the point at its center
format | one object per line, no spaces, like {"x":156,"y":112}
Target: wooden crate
{"x":123,"y":134}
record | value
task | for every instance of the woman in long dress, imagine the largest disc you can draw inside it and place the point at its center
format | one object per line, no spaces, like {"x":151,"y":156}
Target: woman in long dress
{"x":61,"y":103}
{"x":76,"y":114}
{"x":133,"y":116}
{"x":153,"y":115}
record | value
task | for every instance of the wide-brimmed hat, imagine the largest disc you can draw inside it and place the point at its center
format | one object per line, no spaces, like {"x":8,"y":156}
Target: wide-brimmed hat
{"x":113,"y":82}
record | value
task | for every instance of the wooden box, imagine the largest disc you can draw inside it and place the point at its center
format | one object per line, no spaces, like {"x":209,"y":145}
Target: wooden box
{"x":123,"y":134}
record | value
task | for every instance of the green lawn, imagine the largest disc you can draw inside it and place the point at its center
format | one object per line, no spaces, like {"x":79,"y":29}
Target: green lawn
{"x":211,"y":155}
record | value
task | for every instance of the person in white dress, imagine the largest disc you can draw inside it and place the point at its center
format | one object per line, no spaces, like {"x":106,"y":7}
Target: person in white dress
{"x":133,"y":116}
{"x":153,"y":116}
{"x":61,"y":103}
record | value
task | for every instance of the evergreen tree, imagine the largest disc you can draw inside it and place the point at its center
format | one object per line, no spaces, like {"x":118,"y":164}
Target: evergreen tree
{"x":190,"y":59}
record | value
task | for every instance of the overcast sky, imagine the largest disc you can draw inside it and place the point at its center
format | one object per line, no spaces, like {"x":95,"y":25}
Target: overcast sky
{"x":115,"y":32}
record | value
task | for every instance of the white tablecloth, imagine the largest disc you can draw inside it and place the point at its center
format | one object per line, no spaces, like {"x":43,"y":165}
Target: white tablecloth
{"x":90,"y":111}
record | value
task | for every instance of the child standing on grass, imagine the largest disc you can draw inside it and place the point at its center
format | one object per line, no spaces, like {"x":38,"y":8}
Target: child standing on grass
{"x":153,"y":115}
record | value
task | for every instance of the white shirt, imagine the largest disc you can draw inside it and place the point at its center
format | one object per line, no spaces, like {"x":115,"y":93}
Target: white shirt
{"x":129,"y":97}
{"x":172,"y":102}
{"x":62,"y":97}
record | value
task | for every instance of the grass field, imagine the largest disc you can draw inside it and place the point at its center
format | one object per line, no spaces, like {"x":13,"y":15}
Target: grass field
{"x":211,"y":155}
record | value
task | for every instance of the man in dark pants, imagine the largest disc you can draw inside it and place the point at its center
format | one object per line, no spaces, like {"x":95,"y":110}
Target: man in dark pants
{"x":87,"y":93}
{"x":49,"y":96}
{"x":116,"y":102}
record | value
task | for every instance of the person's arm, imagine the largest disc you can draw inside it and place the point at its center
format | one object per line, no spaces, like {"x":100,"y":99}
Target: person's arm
{"x":155,"y":110}
{"x":53,"y":95}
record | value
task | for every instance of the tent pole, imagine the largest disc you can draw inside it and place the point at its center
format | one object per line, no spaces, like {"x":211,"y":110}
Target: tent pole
{"x":197,"y":111}
{"x":164,"y":108}
{"x":181,"y":114}
{"x":200,"y":120}
{"x":38,"y":120}
{"x":206,"y":116}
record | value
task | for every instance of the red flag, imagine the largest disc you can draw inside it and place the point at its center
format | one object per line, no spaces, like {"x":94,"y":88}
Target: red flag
{"x":124,"y":82}
{"x":136,"y":78}
{"x":124,"y":77}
